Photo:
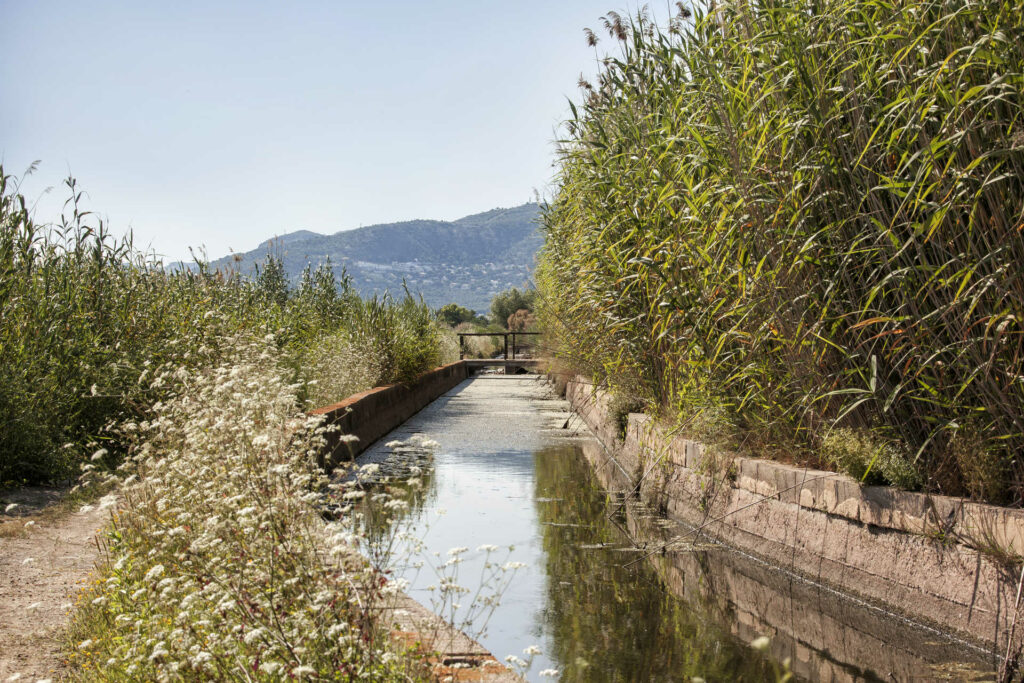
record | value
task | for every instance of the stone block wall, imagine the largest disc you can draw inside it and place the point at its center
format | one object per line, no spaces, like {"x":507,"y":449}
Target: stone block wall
{"x":369,"y":415}
{"x":919,"y":555}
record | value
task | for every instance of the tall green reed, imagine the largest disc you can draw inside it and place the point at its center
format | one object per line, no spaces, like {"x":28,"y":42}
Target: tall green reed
{"x":86,"y":321}
{"x":810,"y":216}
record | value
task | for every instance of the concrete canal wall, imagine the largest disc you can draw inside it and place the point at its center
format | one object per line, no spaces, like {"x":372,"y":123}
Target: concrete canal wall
{"x":916,"y":554}
{"x":369,"y":415}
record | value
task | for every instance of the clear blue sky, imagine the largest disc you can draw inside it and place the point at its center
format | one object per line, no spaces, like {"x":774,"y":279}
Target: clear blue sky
{"x":226,"y":123}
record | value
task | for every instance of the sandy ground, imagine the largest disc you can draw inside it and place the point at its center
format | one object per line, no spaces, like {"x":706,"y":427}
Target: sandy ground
{"x":36,"y":594}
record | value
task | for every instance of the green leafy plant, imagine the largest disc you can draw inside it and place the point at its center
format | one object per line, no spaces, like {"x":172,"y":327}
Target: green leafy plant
{"x":809,"y":216}
{"x":86,"y":319}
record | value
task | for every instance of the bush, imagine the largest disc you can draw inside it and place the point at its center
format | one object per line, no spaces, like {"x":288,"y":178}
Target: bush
{"x":809,"y":216}
{"x":862,"y":456}
{"x":505,"y":304}
{"x":454,"y":314}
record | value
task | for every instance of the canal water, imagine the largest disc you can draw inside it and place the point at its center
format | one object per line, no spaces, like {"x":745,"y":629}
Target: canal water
{"x":515,"y":469}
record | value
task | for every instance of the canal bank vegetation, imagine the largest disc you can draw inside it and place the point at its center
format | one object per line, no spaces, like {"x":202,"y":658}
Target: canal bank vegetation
{"x":88,"y":322}
{"x":182,"y":394}
{"x":804,"y":224}
{"x":218,"y":564}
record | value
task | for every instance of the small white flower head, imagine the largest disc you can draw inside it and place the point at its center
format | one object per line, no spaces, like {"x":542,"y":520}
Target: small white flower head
{"x":532,"y":651}
{"x":85,"y":644}
{"x":34,"y":606}
{"x":29,"y":525}
{"x":28,"y":560}
{"x":155,"y":573}
{"x":303,"y":670}
{"x":760,"y":643}
{"x":99,"y":455}
{"x":11,"y":507}
{"x":549,"y":673}
{"x":515,"y":661}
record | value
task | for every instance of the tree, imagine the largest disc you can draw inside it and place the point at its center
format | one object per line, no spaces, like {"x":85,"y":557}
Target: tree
{"x":454,"y":314}
{"x":506,"y":303}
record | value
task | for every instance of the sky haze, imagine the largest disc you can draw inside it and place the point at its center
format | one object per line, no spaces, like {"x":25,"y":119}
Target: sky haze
{"x":223,"y":124}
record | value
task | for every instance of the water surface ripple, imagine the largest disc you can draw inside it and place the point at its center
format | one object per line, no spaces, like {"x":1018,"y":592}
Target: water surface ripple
{"x":510,"y":471}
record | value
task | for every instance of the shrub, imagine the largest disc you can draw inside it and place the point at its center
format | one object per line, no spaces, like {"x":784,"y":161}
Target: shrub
{"x":862,"y":456}
{"x":504,"y":304}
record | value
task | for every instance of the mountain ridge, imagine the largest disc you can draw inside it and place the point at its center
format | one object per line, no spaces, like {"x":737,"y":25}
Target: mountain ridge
{"x":465,"y":261}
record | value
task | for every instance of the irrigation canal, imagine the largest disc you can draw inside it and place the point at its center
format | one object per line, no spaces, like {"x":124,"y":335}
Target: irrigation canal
{"x":597,"y":604}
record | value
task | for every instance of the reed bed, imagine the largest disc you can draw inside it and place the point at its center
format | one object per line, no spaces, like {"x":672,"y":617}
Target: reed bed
{"x":87,"y":322}
{"x":805,"y":219}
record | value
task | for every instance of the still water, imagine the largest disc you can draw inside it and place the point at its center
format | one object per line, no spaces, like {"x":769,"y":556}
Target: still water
{"x":515,"y":469}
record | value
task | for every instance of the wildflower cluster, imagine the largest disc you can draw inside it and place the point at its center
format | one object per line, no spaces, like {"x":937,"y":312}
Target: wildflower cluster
{"x":218,"y":563}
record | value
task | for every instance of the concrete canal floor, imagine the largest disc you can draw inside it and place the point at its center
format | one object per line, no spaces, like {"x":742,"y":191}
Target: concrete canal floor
{"x":515,"y":469}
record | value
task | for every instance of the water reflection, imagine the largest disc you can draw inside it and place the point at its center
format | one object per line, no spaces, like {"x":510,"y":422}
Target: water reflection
{"x":611,"y":619}
{"x":508,"y":473}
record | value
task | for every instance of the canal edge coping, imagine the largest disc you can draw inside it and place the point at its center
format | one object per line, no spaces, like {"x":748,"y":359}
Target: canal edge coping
{"x":910,"y":552}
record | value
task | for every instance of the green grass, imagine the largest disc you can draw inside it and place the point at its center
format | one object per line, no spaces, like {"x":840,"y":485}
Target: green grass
{"x":809,"y":216}
{"x":87,"y":321}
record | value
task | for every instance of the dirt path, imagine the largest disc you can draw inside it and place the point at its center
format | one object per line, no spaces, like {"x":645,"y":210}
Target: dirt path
{"x":36,"y":594}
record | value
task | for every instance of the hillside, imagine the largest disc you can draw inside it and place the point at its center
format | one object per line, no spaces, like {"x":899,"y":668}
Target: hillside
{"x":467,"y":261}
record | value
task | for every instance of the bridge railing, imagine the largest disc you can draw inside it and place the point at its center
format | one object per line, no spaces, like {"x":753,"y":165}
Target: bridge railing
{"x":516,"y":337}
